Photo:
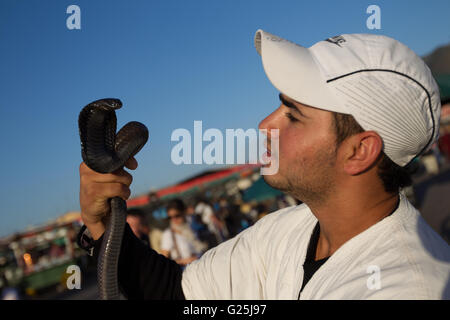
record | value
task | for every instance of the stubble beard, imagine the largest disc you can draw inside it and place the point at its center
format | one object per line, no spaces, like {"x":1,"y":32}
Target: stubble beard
{"x":308,"y":180}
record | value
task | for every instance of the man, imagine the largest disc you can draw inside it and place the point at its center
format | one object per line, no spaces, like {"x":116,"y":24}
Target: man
{"x":137,"y":223}
{"x":355,"y":110}
{"x":179,"y":241}
{"x":215,"y":226}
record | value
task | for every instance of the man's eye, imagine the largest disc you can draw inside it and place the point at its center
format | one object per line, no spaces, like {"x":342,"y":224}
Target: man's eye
{"x":291,"y":117}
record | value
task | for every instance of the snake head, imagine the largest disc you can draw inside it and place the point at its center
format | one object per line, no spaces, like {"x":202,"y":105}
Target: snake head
{"x":107,"y":103}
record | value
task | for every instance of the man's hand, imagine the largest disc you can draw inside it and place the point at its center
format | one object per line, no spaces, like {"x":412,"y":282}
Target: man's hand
{"x":96,"y":189}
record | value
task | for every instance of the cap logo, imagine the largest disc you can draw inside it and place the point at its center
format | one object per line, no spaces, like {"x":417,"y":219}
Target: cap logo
{"x":274,"y":38}
{"x":337,"y":40}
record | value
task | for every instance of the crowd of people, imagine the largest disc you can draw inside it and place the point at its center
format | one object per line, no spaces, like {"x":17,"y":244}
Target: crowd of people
{"x":191,"y":227}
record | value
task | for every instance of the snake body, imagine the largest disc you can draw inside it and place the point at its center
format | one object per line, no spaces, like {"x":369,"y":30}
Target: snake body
{"x":104,"y":151}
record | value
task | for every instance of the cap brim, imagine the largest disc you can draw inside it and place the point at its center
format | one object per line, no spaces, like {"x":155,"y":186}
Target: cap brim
{"x":294,"y":72}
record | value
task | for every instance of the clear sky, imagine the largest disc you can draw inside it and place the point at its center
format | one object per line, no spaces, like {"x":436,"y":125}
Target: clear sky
{"x":170,"y":62}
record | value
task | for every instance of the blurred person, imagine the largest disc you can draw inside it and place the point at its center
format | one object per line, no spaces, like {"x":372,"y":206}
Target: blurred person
{"x":355,"y":110}
{"x":179,"y":242}
{"x":215,"y":225}
{"x":137,"y":223}
{"x":233,"y":219}
{"x":199,"y":227}
{"x":261,"y":211}
{"x":224,"y":213}
{"x":155,"y":239}
{"x":56,"y":250}
{"x":223,"y":202}
{"x":221,"y":213}
{"x":246,"y":219}
{"x":190,"y":212}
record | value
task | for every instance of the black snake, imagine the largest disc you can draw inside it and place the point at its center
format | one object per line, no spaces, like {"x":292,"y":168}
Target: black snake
{"x":103,"y":151}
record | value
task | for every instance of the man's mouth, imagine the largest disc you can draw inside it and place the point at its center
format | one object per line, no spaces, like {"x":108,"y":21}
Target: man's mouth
{"x":266,"y":157}
{"x":268,"y":153}
{"x":270,"y":159}
{"x":266,"y":144}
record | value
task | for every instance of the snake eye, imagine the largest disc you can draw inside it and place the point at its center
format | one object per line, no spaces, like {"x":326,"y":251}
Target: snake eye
{"x":112,"y":103}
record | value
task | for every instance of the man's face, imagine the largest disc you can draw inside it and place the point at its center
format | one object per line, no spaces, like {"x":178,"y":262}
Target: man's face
{"x":135,"y":224}
{"x":307,"y":150}
{"x":176,"y":217}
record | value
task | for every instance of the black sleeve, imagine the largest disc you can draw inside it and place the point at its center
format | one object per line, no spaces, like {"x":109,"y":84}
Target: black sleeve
{"x":143,"y":273}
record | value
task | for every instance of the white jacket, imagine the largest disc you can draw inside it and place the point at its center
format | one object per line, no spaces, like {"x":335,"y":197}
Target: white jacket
{"x":400,"y":257}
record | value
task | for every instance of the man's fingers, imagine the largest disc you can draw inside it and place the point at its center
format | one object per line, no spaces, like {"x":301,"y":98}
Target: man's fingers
{"x":95,"y":190}
{"x":119,"y":176}
{"x":95,"y":194}
{"x":116,"y":190}
{"x":131,"y":163}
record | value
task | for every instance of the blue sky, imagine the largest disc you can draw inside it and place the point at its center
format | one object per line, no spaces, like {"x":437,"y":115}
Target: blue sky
{"x":170,"y":62}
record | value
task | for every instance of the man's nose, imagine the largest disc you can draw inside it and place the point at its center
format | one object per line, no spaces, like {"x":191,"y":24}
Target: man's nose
{"x":269,"y":122}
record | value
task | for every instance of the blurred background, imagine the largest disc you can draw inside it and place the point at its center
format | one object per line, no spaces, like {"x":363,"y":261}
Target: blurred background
{"x":171,"y":63}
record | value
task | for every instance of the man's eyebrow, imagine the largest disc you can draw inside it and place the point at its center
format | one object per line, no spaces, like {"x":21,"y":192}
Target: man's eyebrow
{"x":290,"y":105}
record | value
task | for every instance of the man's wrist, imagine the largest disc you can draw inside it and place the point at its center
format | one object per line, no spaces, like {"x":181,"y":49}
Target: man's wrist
{"x":96,"y":229}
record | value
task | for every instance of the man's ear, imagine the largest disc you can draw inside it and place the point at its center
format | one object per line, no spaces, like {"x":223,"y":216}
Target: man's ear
{"x":361,"y":152}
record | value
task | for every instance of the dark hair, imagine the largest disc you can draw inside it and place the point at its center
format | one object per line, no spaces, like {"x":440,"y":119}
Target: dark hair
{"x":391,"y":174}
{"x":176,"y":204}
{"x":135,"y":212}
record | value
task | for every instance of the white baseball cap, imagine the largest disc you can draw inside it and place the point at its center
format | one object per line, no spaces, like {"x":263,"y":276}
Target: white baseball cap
{"x":382,"y":83}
